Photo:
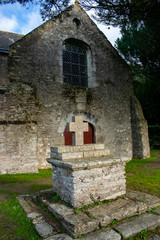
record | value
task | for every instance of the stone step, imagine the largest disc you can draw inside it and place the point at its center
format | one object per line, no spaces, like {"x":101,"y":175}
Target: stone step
{"x":134,"y":226}
{"x":61,"y":236}
{"x":154,"y":237}
{"x":118,"y":209}
{"x":77,"y":155}
{"x":74,"y":223}
{"x":103,"y":234}
{"x":82,"y":148}
{"x":144,"y":197}
{"x":43,"y":228}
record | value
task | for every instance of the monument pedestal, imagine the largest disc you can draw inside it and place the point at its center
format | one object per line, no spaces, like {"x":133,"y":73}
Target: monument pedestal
{"x":85,"y":174}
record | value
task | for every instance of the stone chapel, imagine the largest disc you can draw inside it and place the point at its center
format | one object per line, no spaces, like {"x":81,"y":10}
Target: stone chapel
{"x":64,"y":68}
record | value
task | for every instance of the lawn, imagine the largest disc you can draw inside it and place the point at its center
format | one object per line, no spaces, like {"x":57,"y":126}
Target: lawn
{"x":142,"y":175}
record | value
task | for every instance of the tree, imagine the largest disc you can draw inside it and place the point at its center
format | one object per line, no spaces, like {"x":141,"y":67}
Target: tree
{"x":112,"y":12}
{"x":140,"y":46}
{"x":48,"y":8}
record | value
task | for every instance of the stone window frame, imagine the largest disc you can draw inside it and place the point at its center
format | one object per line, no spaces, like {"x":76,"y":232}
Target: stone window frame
{"x":75,"y":69}
{"x":90,"y":62}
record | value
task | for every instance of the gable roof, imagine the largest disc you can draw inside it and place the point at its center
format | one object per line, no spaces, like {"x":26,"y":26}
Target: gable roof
{"x":6,"y":39}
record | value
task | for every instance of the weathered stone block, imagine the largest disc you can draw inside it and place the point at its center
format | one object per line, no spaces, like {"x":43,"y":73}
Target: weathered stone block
{"x":36,"y":217}
{"x":59,"y":237}
{"x":101,"y":153}
{"x":117,"y":209}
{"x":79,"y":182}
{"x":24,"y":204}
{"x":75,"y":224}
{"x":99,"y":146}
{"x":81,"y":148}
{"x":154,"y":237}
{"x":103,"y":234}
{"x":44,"y":229}
{"x":67,"y":155}
{"x":136,"y":225}
{"x":88,"y":154}
{"x":144,"y":197}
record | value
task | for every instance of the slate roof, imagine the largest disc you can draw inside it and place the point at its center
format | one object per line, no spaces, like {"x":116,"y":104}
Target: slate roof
{"x":7,"y":39}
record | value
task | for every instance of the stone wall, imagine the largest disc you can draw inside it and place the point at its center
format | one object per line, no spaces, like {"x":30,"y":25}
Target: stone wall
{"x":18,"y":148}
{"x":18,"y":130}
{"x":36,"y":92}
{"x":3,"y":68}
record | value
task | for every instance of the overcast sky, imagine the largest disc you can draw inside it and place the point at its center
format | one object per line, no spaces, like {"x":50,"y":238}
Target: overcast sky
{"x":18,"y":19}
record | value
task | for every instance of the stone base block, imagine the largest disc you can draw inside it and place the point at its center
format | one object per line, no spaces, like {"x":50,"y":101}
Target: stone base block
{"x":74,"y":152}
{"x":88,"y":180}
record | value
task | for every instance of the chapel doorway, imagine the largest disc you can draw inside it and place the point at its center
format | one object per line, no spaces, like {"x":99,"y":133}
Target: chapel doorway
{"x":87,"y":136}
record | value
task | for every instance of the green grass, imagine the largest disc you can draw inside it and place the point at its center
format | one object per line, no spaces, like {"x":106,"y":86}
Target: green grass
{"x":26,"y":177}
{"x":14,"y":223}
{"x":141,"y":176}
{"x":38,"y":187}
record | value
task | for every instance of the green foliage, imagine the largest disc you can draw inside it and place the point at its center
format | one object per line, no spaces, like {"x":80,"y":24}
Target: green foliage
{"x":112,"y":12}
{"x":86,"y":207}
{"x":83,"y":208}
{"x":143,"y":234}
{"x":65,"y":203}
{"x":154,"y":135}
{"x":113,"y":223}
{"x":140,"y":47}
{"x":56,"y":198}
{"x":26,"y":177}
{"x":80,"y":236}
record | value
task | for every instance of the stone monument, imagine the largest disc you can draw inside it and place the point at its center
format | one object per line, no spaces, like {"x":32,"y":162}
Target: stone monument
{"x":83,"y":174}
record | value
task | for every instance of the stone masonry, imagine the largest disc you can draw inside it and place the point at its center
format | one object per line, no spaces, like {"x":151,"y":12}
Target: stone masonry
{"x":75,"y":222}
{"x":36,"y":105}
{"x":84,"y":174}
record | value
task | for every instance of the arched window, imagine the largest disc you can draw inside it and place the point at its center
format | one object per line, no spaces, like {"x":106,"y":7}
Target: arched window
{"x":75,"y":64}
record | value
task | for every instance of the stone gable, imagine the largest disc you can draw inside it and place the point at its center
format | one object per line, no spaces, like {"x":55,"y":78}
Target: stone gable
{"x":38,"y":95}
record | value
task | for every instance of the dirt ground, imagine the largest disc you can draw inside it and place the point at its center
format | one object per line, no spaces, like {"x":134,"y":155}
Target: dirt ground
{"x":24,"y":188}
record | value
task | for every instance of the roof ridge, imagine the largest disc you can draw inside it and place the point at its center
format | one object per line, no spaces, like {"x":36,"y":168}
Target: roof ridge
{"x":12,"y":33}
